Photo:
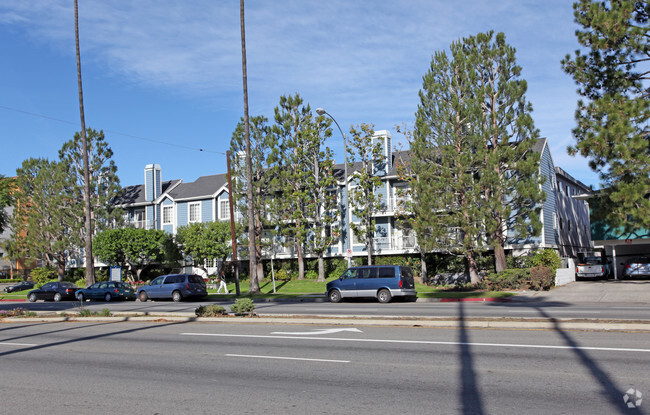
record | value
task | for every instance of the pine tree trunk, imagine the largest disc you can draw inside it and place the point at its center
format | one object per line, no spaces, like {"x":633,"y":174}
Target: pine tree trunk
{"x":321,"y":268}
{"x":474,"y":276}
{"x":499,"y":257}
{"x":423,"y":268}
{"x":60,"y":267}
{"x":301,"y":261}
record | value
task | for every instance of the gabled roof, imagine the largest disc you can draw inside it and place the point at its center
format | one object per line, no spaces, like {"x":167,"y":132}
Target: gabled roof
{"x":134,"y":195}
{"x":204,"y":186}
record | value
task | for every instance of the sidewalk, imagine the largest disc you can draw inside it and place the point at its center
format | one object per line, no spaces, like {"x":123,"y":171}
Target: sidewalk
{"x":589,"y":292}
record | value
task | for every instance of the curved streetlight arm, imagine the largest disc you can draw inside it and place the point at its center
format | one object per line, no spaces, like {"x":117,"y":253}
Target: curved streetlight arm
{"x":321,"y":111}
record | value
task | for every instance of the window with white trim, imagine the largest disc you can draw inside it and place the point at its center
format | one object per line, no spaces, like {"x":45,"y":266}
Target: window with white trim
{"x":167,"y":215}
{"x":224,"y":209}
{"x":195,"y":212}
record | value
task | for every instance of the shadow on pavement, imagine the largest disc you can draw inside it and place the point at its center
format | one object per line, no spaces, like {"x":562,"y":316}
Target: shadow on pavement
{"x":470,"y":396}
{"x":80,"y":339}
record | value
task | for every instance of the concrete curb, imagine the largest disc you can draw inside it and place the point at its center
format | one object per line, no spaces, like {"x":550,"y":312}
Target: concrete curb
{"x":455,"y":323}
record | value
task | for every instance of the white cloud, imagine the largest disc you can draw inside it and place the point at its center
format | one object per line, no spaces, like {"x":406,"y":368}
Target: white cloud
{"x":363,"y":61}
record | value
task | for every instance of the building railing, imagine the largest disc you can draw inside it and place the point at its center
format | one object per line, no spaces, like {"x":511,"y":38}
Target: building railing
{"x":395,"y":243}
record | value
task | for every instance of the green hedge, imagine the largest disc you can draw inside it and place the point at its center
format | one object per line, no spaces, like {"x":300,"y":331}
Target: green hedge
{"x":535,"y":278}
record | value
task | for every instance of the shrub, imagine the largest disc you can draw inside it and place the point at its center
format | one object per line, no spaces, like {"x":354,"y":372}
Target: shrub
{"x":282,"y":275}
{"x":509,"y":279}
{"x":81,"y":282}
{"x":211,"y":310}
{"x":548,"y":258}
{"x":311,"y":275}
{"x":43,"y":275}
{"x":84,"y":312}
{"x":243,"y":305}
{"x":541,"y":278}
{"x":17,"y":312}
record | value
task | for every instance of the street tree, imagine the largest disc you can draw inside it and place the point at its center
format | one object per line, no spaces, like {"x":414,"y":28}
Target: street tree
{"x":261,"y":144}
{"x":447,"y":156}
{"x":88,"y":213}
{"x":321,"y":185}
{"x":43,"y":219}
{"x":290,"y":173}
{"x":205,"y":242}
{"x":104,"y":184}
{"x":7,"y":186}
{"x":366,"y":154}
{"x":473,"y":161}
{"x":509,"y":176}
{"x":136,"y":248}
{"x":613,"y":72}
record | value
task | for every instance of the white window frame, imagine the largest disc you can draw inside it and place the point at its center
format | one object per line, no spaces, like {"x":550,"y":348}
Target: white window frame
{"x":189,"y":212}
{"x":170,"y":209}
{"x":224,"y":209}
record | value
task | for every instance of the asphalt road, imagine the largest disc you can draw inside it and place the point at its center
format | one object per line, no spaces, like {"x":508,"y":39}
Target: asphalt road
{"x":211,"y":368}
{"x":532,"y":309}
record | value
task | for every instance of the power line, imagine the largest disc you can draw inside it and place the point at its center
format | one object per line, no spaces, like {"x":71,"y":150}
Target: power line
{"x":152,"y":140}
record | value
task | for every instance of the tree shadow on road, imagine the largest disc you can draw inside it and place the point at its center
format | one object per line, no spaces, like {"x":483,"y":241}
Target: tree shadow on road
{"x":80,"y":339}
{"x":470,"y":395}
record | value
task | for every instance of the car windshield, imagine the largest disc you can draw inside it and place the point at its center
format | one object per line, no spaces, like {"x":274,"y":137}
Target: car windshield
{"x":592,"y":260}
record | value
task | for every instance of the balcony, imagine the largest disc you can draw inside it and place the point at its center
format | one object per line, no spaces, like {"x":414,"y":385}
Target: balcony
{"x":395,"y":243}
{"x":140,"y":224}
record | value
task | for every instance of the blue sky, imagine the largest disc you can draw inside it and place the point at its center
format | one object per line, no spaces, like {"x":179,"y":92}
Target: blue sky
{"x":169,"y":71}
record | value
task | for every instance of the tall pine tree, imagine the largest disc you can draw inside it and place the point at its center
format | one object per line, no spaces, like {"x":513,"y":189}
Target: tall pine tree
{"x":447,"y":156}
{"x":510,"y":179}
{"x":366,"y":155}
{"x":612,"y":116}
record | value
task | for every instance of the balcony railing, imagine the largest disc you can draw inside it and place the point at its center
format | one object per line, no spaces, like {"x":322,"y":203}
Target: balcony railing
{"x":140,"y":224}
{"x":395,"y":243}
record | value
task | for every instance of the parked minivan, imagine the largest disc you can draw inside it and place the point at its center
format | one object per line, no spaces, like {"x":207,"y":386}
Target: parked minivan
{"x":381,"y":281}
{"x":174,"y":286}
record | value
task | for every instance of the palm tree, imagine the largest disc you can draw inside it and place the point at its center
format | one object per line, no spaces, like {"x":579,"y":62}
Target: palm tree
{"x":90,"y":263}
{"x":254,"y":284}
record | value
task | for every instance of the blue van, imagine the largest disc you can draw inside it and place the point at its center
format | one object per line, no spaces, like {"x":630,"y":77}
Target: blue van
{"x":381,"y":281}
{"x":174,"y":286}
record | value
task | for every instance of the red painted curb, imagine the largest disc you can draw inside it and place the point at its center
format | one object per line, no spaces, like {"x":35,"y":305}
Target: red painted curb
{"x":462,"y":300}
{"x":17,"y":299}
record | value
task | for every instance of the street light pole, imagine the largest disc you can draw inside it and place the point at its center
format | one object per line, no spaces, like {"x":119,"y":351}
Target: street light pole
{"x":348,"y":254}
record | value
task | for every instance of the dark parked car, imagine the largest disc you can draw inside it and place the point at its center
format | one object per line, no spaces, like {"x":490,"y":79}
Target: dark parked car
{"x":107,"y":291}
{"x":55,"y":291}
{"x":24,"y":285}
{"x":174,"y":286}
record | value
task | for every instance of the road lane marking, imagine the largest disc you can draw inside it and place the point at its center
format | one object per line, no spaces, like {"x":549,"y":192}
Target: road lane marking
{"x":287,"y":358}
{"x":555,"y":311}
{"x":430,"y":342}
{"x":17,"y":344}
{"x":316,"y":331}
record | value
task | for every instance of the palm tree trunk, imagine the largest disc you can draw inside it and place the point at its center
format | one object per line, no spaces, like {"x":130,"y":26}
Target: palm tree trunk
{"x":88,"y":237}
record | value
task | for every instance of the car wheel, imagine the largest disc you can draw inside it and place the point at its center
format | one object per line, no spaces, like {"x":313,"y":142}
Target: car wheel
{"x":107,"y":297}
{"x":32,"y":298}
{"x":57,"y":297}
{"x":176,"y":296}
{"x":81,"y":297}
{"x":384,"y":296}
{"x":143,"y":296}
{"x":334,"y":296}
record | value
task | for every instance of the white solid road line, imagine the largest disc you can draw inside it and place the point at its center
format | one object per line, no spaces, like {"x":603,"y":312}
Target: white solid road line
{"x":287,"y":358}
{"x":17,"y":344}
{"x":340,"y":339}
{"x":555,"y":311}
